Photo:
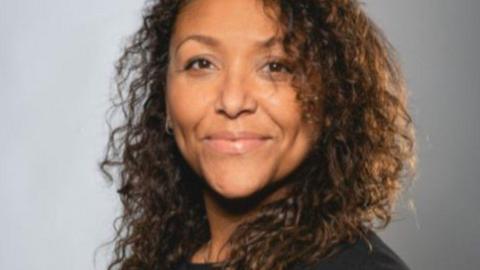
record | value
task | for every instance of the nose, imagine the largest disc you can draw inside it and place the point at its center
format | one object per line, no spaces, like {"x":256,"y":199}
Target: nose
{"x":235,"y":96}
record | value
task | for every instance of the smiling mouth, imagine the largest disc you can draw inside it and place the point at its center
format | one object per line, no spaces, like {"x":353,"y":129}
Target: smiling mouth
{"x":235,"y":144}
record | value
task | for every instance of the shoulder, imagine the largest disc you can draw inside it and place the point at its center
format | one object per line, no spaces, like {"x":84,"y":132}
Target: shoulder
{"x":361,"y":256}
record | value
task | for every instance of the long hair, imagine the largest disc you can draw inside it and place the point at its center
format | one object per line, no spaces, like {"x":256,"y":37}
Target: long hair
{"x":346,"y":186}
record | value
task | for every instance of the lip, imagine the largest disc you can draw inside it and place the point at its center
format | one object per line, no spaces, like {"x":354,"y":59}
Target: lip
{"x":237,"y":143}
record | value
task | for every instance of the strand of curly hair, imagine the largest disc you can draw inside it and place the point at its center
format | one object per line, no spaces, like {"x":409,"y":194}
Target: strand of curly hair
{"x":346,"y":186}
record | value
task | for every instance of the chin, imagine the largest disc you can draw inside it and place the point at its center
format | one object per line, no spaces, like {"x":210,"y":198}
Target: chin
{"x":237,"y":186}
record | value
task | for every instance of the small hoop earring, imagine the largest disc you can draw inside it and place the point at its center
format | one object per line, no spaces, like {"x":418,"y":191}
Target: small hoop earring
{"x":168,"y":128}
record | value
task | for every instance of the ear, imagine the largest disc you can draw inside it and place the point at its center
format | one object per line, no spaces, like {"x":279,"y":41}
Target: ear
{"x":168,"y":124}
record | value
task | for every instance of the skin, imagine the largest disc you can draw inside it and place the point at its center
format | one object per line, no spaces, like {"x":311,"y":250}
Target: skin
{"x":235,"y":83}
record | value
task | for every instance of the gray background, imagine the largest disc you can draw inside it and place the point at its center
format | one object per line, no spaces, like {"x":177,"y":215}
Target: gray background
{"x":56,"y":64}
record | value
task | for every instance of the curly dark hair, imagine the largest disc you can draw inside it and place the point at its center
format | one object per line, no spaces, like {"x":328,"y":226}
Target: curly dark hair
{"x":346,"y":186}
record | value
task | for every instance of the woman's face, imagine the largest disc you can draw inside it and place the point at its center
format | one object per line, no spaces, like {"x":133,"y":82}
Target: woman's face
{"x":235,"y":116}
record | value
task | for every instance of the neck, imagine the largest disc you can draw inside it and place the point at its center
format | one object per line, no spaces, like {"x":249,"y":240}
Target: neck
{"x":222,"y":224}
{"x":224,"y":216}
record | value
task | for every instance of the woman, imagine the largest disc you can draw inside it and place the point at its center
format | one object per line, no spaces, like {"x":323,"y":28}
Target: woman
{"x":258,"y":135}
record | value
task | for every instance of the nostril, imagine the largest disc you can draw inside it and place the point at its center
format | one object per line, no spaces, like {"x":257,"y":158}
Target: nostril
{"x":235,"y":96}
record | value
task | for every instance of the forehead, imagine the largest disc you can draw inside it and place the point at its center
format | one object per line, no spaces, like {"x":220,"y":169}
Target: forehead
{"x":245,"y":20}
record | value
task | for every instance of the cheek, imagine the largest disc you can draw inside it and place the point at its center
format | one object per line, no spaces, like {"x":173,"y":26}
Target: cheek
{"x":186,"y":107}
{"x":296,"y":146}
{"x":285,"y":111}
{"x":186,"y":104}
{"x":297,"y":136}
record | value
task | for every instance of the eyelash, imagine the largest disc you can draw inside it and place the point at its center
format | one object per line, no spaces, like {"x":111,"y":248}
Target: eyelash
{"x":192,"y":62}
{"x":282,"y":65}
{"x":189,"y":65}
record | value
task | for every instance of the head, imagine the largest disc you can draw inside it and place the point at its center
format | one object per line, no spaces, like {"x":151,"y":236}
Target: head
{"x":233,"y":108}
{"x":258,"y":94}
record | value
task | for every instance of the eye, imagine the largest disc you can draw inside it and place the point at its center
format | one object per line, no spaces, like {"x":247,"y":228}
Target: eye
{"x":277,"y":67}
{"x":277,"y":70}
{"x":198,"y":63}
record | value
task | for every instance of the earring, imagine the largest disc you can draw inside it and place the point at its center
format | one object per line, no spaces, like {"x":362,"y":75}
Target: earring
{"x":168,"y":124}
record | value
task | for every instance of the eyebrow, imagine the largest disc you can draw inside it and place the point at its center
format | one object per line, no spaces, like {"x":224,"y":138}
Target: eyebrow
{"x":212,"y":42}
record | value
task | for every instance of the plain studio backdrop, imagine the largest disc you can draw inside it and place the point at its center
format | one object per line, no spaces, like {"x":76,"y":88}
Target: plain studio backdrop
{"x":56,"y":67}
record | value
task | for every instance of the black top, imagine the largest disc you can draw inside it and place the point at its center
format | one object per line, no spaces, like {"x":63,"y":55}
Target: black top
{"x":355,"y":256}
